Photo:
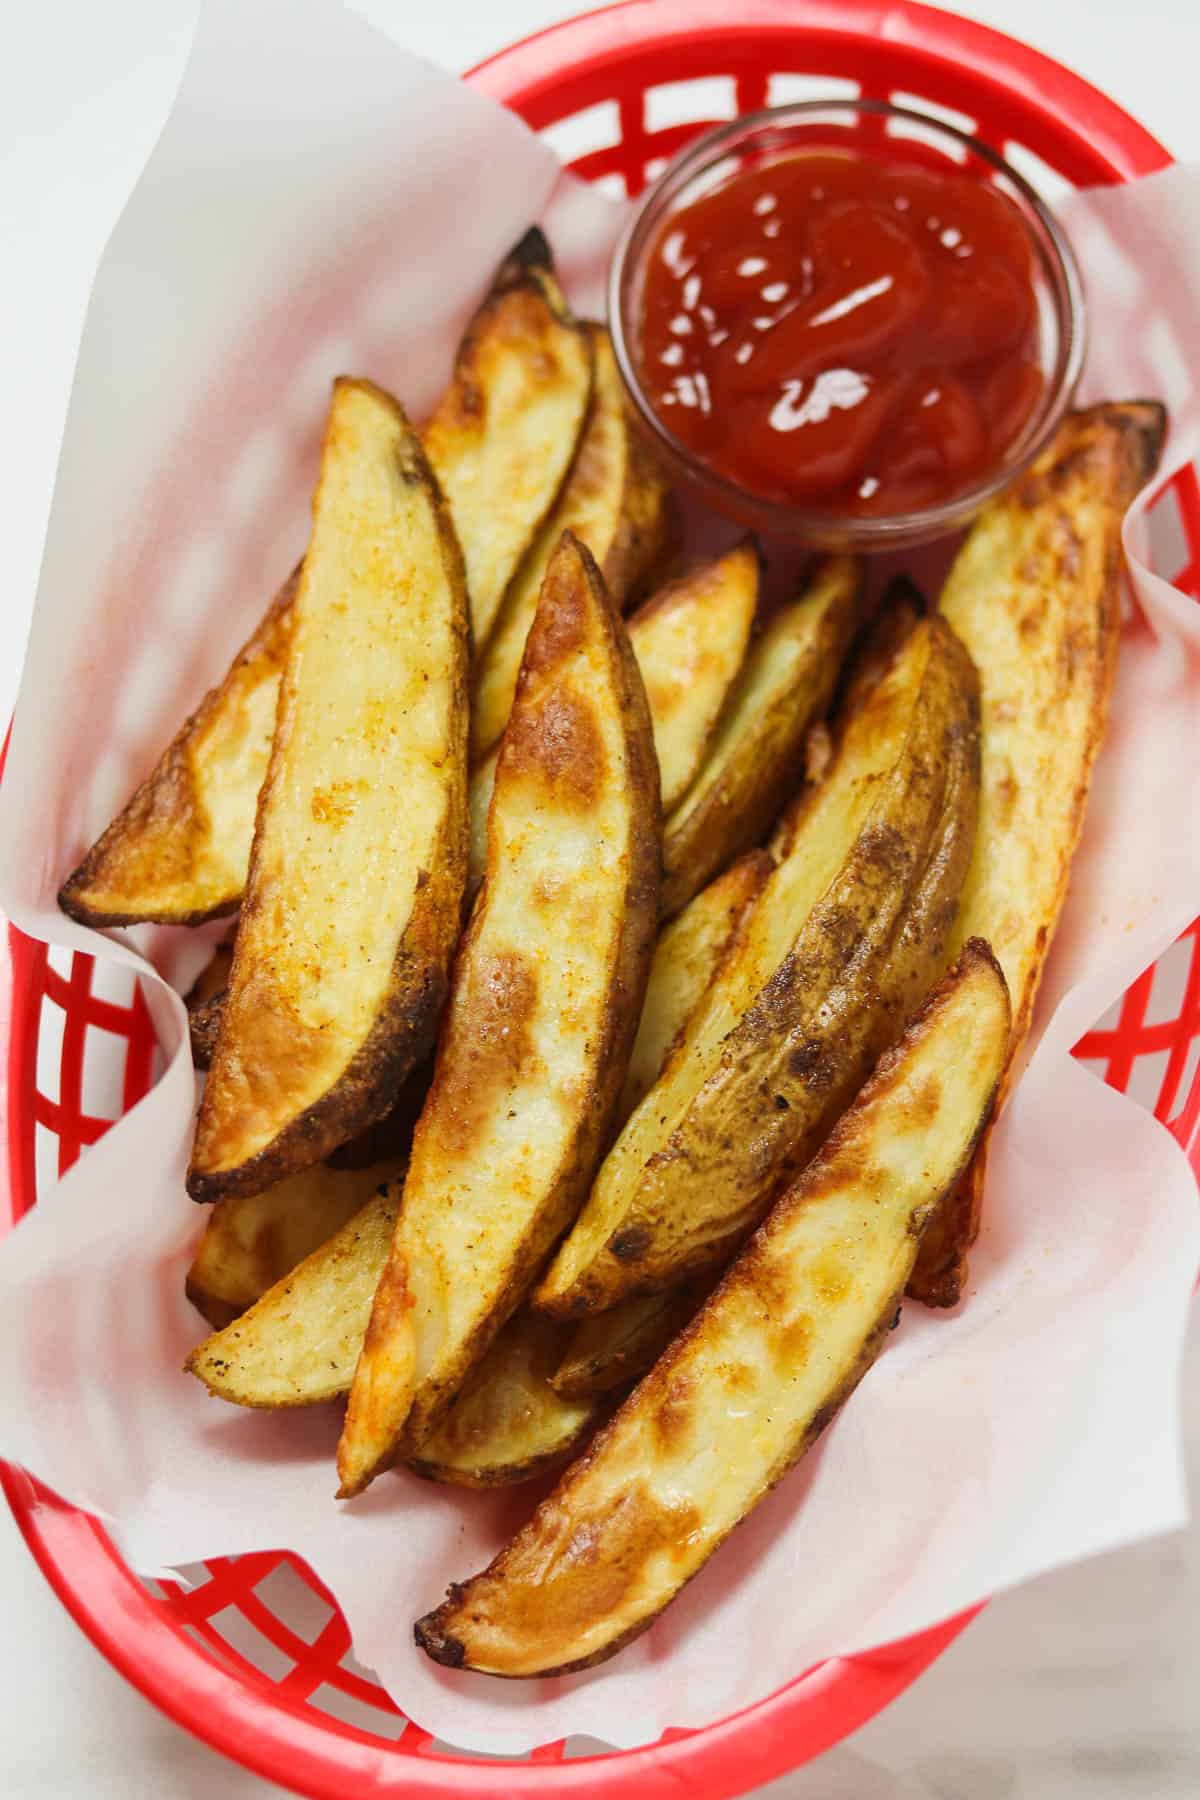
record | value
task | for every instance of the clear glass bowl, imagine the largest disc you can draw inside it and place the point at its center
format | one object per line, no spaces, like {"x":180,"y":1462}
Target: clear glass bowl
{"x":887,"y":133}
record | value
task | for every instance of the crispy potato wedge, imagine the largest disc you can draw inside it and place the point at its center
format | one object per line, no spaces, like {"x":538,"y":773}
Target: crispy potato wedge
{"x":616,"y":501}
{"x":299,"y":1342}
{"x":750,"y":1385}
{"x":691,"y":641}
{"x":547,"y":991}
{"x":686,"y":957}
{"x":610,"y":1349}
{"x":699,"y":624}
{"x":508,"y":1424}
{"x":841,"y":946}
{"x":251,"y":1241}
{"x":177,"y":852}
{"x":1034,"y":594}
{"x":504,"y":433}
{"x":356,"y":879}
{"x":757,"y":751}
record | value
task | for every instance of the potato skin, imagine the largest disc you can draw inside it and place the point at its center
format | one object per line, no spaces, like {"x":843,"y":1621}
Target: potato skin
{"x":1035,"y":596}
{"x":756,"y":756}
{"x":859,"y":964}
{"x":258,"y":1025}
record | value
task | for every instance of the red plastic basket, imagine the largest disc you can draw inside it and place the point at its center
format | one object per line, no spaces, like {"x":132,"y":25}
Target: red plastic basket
{"x":251,"y":1652}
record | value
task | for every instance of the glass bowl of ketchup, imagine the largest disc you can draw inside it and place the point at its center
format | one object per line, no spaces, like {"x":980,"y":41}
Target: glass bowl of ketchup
{"x":846,"y":323}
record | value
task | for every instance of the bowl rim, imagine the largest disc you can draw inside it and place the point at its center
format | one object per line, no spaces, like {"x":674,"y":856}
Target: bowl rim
{"x":779,"y":519}
{"x":263,"y":1732}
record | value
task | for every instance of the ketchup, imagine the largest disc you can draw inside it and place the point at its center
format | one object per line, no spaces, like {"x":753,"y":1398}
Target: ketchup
{"x":843,"y":335}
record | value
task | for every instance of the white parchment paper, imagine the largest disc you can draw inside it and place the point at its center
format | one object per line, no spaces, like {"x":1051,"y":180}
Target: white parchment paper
{"x":321,"y":202}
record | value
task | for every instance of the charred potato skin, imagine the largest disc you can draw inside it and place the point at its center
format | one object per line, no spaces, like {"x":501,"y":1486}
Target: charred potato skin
{"x":1043,"y":563}
{"x":860,"y":963}
{"x":601,"y":1559}
{"x":166,"y":821}
{"x":714,"y":824}
{"x":406,"y":1022}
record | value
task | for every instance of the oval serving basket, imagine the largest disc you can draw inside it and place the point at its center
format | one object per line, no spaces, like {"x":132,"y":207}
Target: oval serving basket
{"x":251,"y":1653}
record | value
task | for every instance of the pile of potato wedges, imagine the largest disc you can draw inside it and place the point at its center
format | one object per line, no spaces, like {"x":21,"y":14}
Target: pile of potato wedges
{"x":625,"y":972}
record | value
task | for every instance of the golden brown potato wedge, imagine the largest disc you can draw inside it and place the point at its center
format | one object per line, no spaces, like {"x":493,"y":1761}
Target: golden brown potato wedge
{"x":612,"y":1348}
{"x":750,"y":1385}
{"x":251,"y":1241}
{"x":356,"y":879}
{"x":1034,"y":594}
{"x":177,"y":852}
{"x":842,"y":944}
{"x":686,"y":957}
{"x":504,"y":433}
{"x":616,"y":501}
{"x":299,"y":1342}
{"x":547,"y":990}
{"x":691,"y":642}
{"x":757,"y":751}
{"x":699,"y":624}
{"x":508,"y":1424}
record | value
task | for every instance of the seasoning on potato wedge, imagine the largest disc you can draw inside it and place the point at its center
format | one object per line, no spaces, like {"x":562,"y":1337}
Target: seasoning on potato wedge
{"x":503,"y":435}
{"x":501,"y":440}
{"x":298,"y":1343}
{"x":177,"y":852}
{"x":1034,"y":594}
{"x":616,"y":501}
{"x":610,"y":1349}
{"x":251,"y":1241}
{"x":841,"y":945}
{"x":353,"y":897}
{"x":760,"y":1372}
{"x":546,"y":994}
{"x":756,"y":755}
{"x":697,"y":627}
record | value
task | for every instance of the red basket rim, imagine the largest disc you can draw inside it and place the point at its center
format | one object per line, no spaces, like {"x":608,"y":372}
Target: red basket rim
{"x":282,"y":1741}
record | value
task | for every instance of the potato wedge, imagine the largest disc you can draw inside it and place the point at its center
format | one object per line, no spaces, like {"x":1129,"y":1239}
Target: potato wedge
{"x":691,"y":642}
{"x":1034,"y":594}
{"x":504,"y":434}
{"x":757,"y":751}
{"x":251,"y":1241}
{"x":699,"y":624}
{"x":177,"y":851}
{"x":356,"y":878}
{"x":686,"y":957}
{"x":613,"y":1348}
{"x":299,"y":1342}
{"x":616,"y":500}
{"x":547,"y":990}
{"x":840,"y":947}
{"x":508,"y":1424}
{"x":750,"y":1385}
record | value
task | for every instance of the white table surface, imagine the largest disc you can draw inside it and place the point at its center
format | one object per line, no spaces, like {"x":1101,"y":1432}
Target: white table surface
{"x":1084,"y":1685}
